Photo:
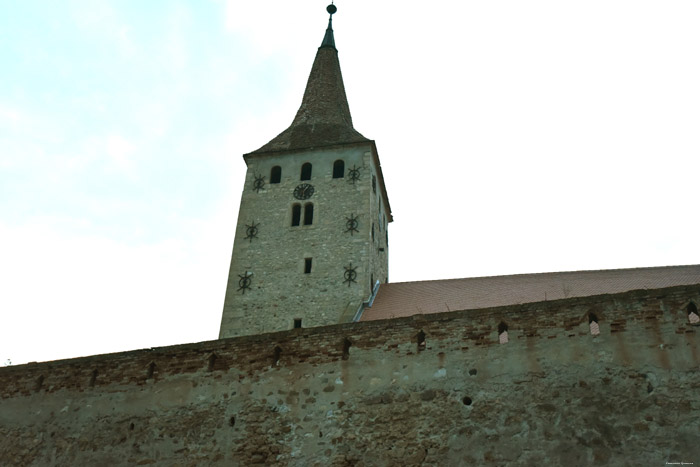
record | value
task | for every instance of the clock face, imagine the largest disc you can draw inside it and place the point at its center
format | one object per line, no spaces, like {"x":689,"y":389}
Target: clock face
{"x":303,"y":191}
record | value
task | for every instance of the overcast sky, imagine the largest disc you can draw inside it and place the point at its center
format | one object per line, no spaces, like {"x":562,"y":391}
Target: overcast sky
{"x":515,"y":136}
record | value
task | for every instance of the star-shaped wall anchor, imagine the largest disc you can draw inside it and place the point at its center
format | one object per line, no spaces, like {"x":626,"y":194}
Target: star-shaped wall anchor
{"x":244,"y":281}
{"x":258,"y":183}
{"x":351,"y":224}
{"x":251,"y":231}
{"x":350,"y":274}
{"x":354,"y":174}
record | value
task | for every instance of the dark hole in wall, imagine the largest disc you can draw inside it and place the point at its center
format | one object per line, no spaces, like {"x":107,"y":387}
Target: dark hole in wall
{"x":39,"y":382}
{"x":420,"y":338}
{"x":346,"y":348}
{"x":151,"y":370}
{"x":232,"y":421}
{"x":131,"y":426}
{"x":212,"y":362}
{"x":467,"y":400}
{"x":592,"y":317}
{"x":297,"y":323}
{"x":472,"y":372}
{"x":93,"y":378}
{"x":276,"y":354}
{"x":502,"y":327}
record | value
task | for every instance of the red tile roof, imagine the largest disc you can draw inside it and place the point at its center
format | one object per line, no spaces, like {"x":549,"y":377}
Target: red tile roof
{"x":395,"y":300}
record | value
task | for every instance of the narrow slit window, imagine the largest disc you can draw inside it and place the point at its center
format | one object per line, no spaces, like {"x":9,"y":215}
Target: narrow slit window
{"x":276,"y":174}
{"x":338,"y":169}
{"x":693,"y":316}
{"x":502,"y":333}
{"x":346,"y":348}
{"x":306,"y":171}
{"x":296,"y":214}
{"x":374,"y":184}
{"x":307,"y":265}
{"x":593,"y":324}
{"x":420,"y":338}
{"x":308,"y":214}
{"x":372,"y":230}
{"x":277,"y":352}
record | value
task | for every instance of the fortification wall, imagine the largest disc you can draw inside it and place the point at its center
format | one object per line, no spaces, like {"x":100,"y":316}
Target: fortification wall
{"x":369,"y":394}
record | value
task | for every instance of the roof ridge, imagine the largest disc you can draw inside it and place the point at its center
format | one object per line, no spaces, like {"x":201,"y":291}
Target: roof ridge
{"x":578,"y":271}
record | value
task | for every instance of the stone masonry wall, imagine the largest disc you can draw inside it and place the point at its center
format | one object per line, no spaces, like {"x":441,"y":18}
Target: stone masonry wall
{"x":379,"y":242}
{"x":435,"y":390}
{"x":280,"y":291}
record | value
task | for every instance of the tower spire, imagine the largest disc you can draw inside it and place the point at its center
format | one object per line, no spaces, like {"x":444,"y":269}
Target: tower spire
{"x":323,"y":119}
{"x":328,"y":40}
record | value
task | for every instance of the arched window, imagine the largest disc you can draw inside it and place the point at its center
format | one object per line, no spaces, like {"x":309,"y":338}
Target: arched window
{"x":276,"y":174}
{"x":338,"y":169}
{"x":308,"y":214}
{"x":306,"y":171}
{"x":693,"y":316}
{"x":502,"y":333}
{"x":296,"y":214}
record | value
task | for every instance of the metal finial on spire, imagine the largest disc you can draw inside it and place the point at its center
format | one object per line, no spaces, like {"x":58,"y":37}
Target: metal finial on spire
{"x":328,"y":40}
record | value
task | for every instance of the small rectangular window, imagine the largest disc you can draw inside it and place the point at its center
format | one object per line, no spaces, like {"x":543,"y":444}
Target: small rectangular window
{"x":307,"y":265}
{"x":305,"y":171}
{"x":297,"y":323}
{"x":275,"y":174}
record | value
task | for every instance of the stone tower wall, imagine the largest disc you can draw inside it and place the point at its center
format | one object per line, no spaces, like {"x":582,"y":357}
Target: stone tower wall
{"x":369,"y":394}
{"x":280,"y":291}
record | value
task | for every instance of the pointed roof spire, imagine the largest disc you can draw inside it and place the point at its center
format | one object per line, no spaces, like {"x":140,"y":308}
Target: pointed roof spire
{"x":328,"y":40}
{"x":323,"y":119}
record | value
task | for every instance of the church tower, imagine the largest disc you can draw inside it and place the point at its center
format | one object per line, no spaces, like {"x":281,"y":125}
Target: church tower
{"x":311,"y":243}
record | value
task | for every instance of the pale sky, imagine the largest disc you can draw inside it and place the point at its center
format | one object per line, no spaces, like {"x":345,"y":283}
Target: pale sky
{"x":515,"y":136}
